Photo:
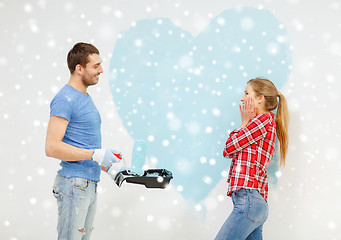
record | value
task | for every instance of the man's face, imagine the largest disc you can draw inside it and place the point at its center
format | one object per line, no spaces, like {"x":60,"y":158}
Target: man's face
{"x":92,"y":70}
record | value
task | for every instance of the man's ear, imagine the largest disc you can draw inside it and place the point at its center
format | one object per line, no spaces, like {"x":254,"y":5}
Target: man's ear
{"x":78,"y":69}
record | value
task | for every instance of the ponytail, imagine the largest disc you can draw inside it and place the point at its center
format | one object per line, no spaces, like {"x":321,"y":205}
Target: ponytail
{"x":264,"y":87}
{"x":282,"y":120}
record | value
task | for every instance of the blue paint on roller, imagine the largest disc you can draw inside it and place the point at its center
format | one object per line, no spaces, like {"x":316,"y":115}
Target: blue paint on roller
{"x":138,"y":157}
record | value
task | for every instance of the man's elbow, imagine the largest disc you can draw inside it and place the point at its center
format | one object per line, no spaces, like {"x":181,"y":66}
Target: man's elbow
{"x":50,"y":151}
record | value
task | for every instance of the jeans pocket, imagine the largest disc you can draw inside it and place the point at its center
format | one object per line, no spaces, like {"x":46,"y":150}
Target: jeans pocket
{"x":81,"y":184}
{"x":239,"y":202}
{"x":258,"y":210}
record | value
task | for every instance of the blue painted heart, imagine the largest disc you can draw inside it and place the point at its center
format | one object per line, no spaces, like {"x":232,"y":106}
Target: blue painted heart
{"x":180,"y":93}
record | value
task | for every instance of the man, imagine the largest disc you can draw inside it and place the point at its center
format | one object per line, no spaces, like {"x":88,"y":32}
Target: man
{"x":74,"y":137}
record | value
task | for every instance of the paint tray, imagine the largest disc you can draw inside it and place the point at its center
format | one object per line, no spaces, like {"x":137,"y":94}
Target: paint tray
{"x":152,"y":178}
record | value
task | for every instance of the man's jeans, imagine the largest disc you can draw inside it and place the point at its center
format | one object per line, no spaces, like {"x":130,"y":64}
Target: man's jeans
{"x":76,"y":199}
{"x":250,"y":211}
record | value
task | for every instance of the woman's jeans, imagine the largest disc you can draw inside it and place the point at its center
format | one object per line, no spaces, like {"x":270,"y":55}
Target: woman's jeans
{"x":250,"y":211}
{"x":76,"y":199}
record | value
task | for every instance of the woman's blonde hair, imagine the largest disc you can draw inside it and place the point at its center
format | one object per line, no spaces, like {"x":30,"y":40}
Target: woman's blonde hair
{"x":264,"y":87}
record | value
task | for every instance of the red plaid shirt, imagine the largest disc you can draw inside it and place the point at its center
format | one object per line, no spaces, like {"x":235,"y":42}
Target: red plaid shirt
{"x":251,"y":148}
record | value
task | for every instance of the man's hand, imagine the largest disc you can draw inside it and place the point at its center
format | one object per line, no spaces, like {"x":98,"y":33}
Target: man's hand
{"x":107,"y":156}
{"x":106,"y":169}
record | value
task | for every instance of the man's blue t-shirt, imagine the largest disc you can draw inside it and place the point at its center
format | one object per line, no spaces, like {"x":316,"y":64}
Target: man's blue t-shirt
{"x":83,"y":131}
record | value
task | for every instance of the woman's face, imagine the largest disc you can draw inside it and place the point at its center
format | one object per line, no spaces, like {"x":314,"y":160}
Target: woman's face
{"x":249,"y":92}
{"x":258,"y":101}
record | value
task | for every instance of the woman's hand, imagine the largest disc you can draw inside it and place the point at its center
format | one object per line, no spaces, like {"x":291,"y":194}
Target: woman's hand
{"x":247,"y":111}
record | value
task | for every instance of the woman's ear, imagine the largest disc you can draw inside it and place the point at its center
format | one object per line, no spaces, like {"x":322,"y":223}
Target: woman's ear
{"x":260,"y":99}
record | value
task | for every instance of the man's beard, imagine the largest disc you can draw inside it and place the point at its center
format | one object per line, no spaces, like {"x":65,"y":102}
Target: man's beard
{"x":86,"y":80}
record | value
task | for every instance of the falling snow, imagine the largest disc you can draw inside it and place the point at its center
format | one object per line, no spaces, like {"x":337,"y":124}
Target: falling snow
{"x":33,"y":67}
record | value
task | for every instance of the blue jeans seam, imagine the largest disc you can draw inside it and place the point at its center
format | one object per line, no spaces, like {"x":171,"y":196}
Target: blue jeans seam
{"x":70,"y":214}
{"x":239,"y":215}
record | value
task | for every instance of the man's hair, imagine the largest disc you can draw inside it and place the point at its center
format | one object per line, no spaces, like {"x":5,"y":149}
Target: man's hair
{"x":79,"y":55}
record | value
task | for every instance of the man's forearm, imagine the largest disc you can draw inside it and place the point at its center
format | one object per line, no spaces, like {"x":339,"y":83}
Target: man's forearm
{"x":67,"y":152}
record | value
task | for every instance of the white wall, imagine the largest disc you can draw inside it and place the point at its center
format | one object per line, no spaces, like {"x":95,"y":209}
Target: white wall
{"x":35,"y":38}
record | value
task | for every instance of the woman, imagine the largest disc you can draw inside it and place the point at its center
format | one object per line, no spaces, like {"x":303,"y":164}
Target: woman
{"x":251,"y":147}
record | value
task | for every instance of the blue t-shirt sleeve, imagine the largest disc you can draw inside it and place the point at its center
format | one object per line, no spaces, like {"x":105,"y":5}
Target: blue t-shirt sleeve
{"x":61,"y":106}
